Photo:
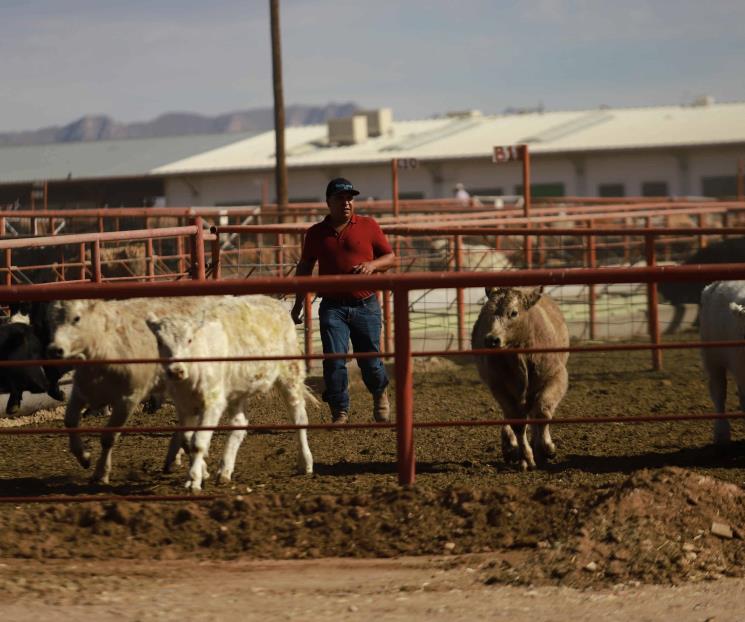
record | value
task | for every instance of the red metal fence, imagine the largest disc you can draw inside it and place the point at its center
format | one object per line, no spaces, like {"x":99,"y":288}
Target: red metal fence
{"x":400,"y":285}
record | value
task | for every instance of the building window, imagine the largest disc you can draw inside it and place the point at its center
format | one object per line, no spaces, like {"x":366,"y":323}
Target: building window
{"x":721,"y":186}
{"x":238,"y":203}
{"x":486,"y":192}
{"x":655,"y":189}
{"x":555,"y":189}
{"x":305,"y":200}
{"x":410,"y":196}
{"x":611,"y":190}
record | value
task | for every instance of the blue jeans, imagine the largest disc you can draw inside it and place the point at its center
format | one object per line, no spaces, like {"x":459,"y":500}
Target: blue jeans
{"x":360,"y":321}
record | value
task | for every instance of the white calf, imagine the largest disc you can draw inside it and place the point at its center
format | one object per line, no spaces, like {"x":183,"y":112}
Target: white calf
{"x":203,"y":392}
{"x":723,"y":319}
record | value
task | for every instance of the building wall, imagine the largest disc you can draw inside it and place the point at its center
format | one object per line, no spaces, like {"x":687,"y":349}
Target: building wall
{"x":681,"y":170}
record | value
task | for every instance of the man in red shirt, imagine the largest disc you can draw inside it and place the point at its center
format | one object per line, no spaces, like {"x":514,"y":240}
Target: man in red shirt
{"x":345,"y":243}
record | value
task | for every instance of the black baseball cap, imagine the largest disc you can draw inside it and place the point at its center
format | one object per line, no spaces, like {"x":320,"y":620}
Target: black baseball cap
{"x":339,"y":185}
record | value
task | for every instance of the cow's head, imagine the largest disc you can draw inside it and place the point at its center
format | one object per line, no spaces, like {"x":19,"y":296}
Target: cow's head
{"x":505,"y":308}
{"x":74,"y":326}
{"x":174,"y":336}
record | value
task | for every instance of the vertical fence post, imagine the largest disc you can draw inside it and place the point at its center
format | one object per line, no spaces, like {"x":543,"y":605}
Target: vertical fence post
{"x":6,"y":255}
{"x":96,"y":261}
{"x":741,"y":179}
{"x":199,"y":271}
{"x":592,"y":263}
{"x":701,"y":222}
{"x":459,"y":298}
{"x":81,"y":273}
{"x":8,"y":267}
{"x":627,"y":244}
{"x":541,"y":251}
{"x":62,"y":270}
{"x":180,"y":252}
{"x":387,"y":321}
{"x":280,"y":253}
{"x":395,"y":205}
{"x":404,"y":389}
{"x":308,"y":329}
{"x":394,"y":187}
{"x":150,"y":259}
{"x":527,"y":200}
{"x":216,"y":257}
{"x":654,"y":320}
{"x":52,"y":220}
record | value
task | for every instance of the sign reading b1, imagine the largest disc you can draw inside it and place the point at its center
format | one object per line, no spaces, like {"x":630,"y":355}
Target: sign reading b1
{"x":507,"y":153}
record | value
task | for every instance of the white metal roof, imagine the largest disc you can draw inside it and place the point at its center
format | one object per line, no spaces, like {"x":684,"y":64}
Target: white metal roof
{"x":101,"y":159}
{"x":443,"y":138}
{"x":434,"y":139}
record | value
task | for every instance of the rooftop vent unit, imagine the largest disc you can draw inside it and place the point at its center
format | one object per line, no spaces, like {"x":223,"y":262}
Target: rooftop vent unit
{"x":463,"y":114}
{"x":703,"y":100}
{"x":379,"y":121}
{"x":348,"y":130}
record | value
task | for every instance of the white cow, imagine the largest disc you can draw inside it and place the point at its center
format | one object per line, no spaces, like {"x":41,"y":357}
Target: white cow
{"x":204,"y":392}
{"x":723,"y":319}
{"x":115,"y":329}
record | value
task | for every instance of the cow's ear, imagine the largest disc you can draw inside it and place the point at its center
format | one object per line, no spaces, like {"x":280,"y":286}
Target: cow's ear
{"x":490,"y":291}
{"x":532,"y":297}
{"x":153,"y":322}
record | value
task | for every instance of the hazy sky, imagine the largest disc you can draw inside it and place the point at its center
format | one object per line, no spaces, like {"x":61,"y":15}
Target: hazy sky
{"x":135,"y":59}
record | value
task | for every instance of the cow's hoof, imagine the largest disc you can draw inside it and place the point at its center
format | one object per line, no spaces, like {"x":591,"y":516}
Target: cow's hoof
{"x":12,"y":408}
{"x":193,"y":487}
{"x":85,"y":460}
{"x":510,"y":453}
{"x":525,"y":465}
{"x":544,"y":453}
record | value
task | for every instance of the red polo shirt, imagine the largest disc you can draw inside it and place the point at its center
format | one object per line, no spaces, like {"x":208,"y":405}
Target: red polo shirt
{"x":337,"y":253}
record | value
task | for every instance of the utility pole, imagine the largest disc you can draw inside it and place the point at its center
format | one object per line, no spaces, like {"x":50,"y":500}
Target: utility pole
{"x":280,"y":174}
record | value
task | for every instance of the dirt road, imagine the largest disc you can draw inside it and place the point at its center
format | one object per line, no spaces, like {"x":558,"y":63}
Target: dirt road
{"x":331,"y":589}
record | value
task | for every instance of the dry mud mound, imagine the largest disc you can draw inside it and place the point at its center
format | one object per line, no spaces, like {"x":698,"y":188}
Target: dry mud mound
{"x":657,"y":527}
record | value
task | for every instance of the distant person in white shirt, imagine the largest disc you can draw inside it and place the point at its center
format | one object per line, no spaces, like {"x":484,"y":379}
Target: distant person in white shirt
{"x":462,"y":194}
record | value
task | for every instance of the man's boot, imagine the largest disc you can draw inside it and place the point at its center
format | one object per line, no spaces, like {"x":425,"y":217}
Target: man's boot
{"x":382,"y":407}
{"x":339,"y":416}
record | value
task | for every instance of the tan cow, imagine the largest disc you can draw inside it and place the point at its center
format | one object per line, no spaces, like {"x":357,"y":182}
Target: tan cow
{"x":527,"y":386}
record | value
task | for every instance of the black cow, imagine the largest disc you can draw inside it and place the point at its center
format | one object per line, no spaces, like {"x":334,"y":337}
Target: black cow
{"x":29,"y":335}
{"x":682,"y":293}
{"x":19,"y":342}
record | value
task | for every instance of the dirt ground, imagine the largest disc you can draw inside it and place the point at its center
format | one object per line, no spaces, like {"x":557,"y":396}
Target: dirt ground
{"x":336,"y":589}
{"x":623,"y":513}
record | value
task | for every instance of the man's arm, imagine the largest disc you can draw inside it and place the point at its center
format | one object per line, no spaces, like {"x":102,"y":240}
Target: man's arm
{"x":379,"y":264}
{"x":304,"y":268}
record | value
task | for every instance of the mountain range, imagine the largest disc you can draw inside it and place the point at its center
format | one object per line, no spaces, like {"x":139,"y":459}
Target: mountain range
{"x":101,"y":127}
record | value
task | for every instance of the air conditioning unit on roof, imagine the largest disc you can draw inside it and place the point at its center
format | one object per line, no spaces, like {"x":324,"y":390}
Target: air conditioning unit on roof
{"x":379,"y":121}
{"x":348,"y":130}
{"x":463,"y":114}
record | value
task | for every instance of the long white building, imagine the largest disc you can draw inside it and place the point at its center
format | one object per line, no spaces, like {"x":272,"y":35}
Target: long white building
{"x":667,"y":150}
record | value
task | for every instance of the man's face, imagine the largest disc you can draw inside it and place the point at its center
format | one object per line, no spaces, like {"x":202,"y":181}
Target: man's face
{"x":341,"y":205}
